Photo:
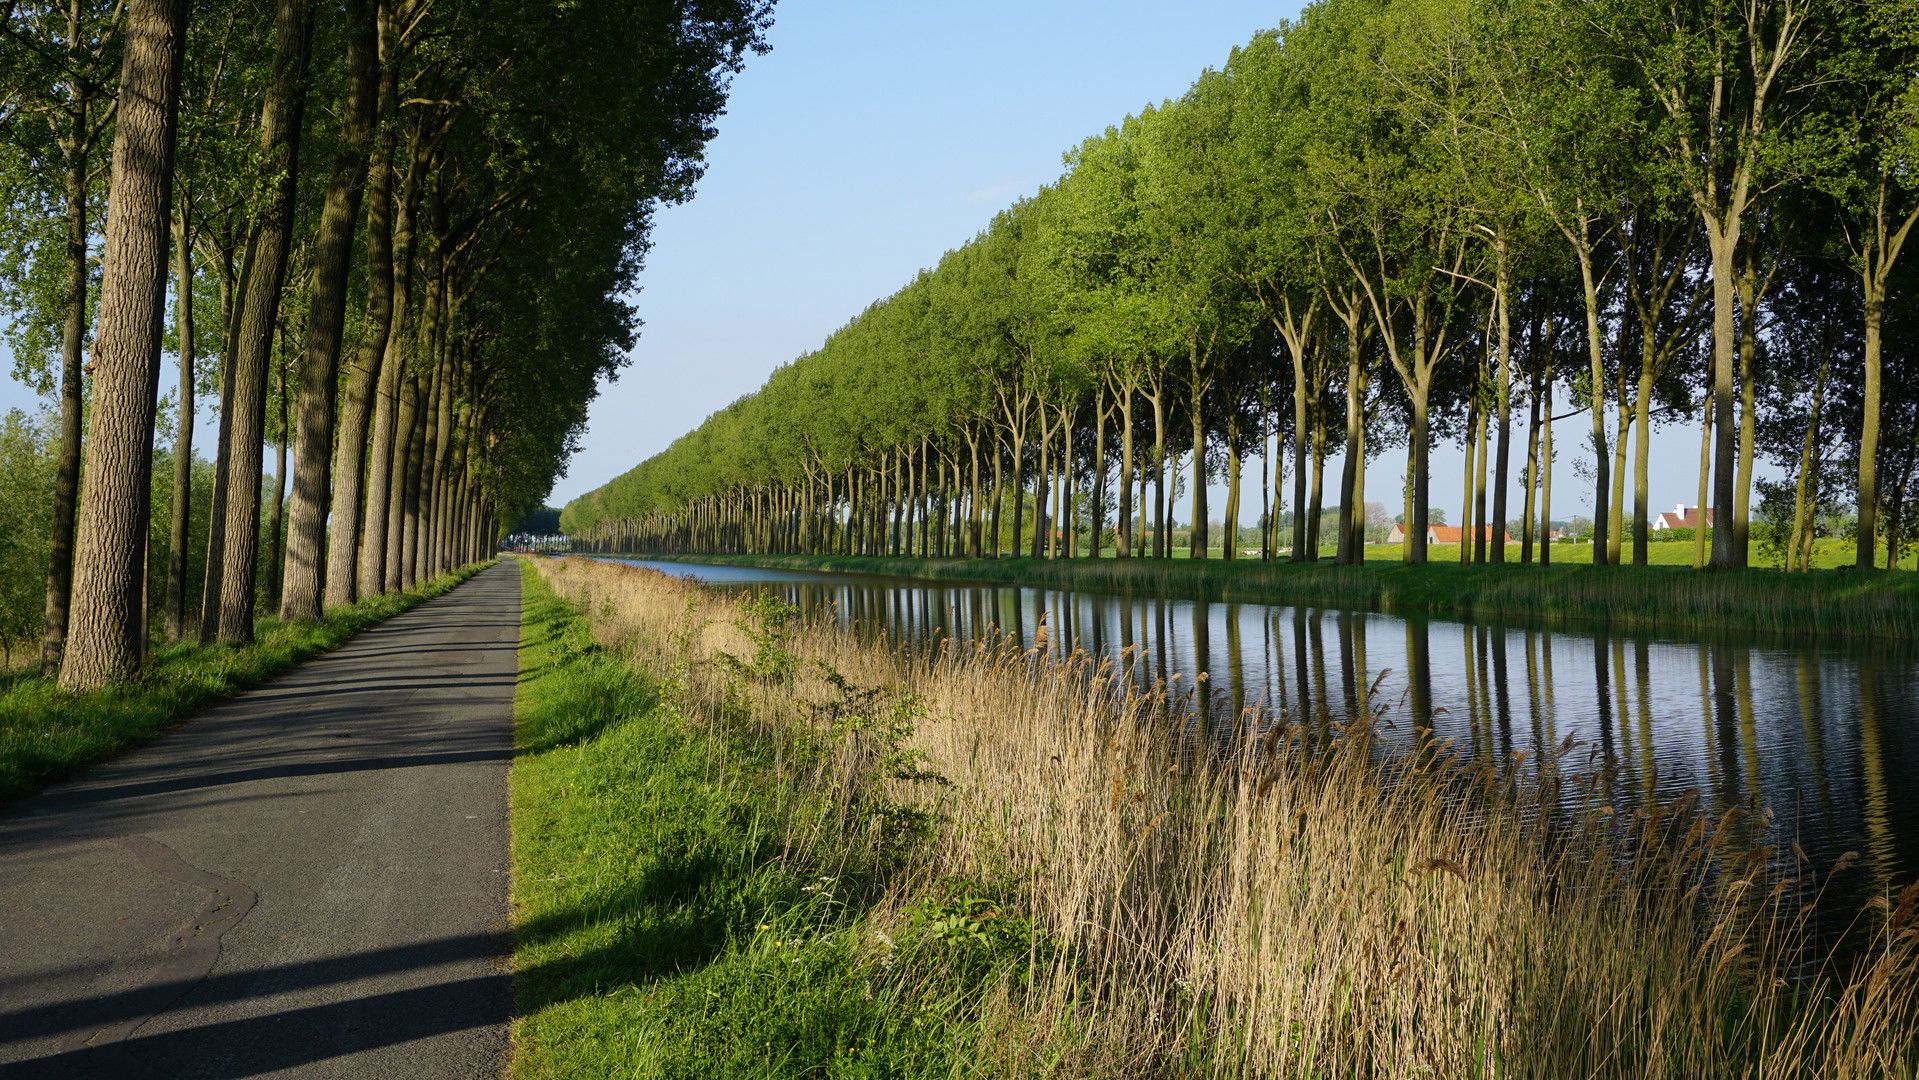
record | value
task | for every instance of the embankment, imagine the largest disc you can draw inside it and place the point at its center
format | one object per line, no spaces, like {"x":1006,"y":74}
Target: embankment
{"x":1831,"y":603}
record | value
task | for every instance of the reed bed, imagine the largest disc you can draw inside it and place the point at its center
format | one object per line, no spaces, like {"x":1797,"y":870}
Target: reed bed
{"x":1825,"y":603}
{"x":1296,"y":904}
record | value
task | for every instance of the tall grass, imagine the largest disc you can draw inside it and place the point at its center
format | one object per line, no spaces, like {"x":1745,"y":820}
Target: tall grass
{"x":1843,"y":603}
{"x":1136,"y":902}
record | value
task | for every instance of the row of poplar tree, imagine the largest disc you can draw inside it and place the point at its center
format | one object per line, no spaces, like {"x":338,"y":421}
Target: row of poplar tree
{"x":1387,"y":223}
{"x":417,"y":217}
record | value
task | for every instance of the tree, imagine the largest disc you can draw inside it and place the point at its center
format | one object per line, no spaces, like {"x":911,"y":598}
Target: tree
{"x":108,"y":635}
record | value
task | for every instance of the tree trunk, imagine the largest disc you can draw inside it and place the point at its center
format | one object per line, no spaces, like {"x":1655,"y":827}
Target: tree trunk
{"x":1466,"y":483}
{"x":1705,"y":480}
{"x":280,"y":125}
{"x":1502,"y":452}
{"x":1642,"y":466}
{"x":1868,"y":493}
{"x":1480,"y":454}
{"x":407,"y":420}
{"x":326,"y":321}
{"x":1158,"y":452}
{"x":274,"y":559}
{"x":433,"y":484}
{"x":1801,"y":505}
{"x":410,"y":500}
{"x":1230,"y":525}
{"x":1748,"y":334}
{"x":1526,"y":529}
{"x":1355,"y":429}
{"x":1317,"y":494}
{"x":1418,"y":450}
{"x":110,"y":569}
{"x":377,"y":513}
{"x":1198,"y":541}
{"x":183,"y":432}
{"x":1546,"y":477}
{"x":66,"y":475}
{"x":1723,"y":347}
{"x":1602,"y":467}
{"x":217,"y":505}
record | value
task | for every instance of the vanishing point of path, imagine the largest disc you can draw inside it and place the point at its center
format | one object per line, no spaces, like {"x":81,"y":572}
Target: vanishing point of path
{"x":309,"y":880}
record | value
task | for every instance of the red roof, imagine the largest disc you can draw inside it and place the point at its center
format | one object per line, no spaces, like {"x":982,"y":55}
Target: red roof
{"x":1682,"y":517}
{"x":1453,"y":534}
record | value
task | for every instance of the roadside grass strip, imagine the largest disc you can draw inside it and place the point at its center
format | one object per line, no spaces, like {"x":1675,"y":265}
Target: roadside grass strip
{"x":671,"y":919}
{"x":47,"y":733}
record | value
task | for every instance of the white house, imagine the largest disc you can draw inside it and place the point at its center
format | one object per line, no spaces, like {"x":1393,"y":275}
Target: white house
{"x":1681,"y":517}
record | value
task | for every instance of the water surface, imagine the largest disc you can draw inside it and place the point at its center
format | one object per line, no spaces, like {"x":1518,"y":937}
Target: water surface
{"x":1822,"y":733}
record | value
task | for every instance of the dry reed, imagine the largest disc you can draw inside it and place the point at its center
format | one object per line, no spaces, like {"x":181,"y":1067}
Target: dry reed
{"x":1300,"y":904}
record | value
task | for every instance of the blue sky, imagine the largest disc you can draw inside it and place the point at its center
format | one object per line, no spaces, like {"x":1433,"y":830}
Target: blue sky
{"x":876,"y":136}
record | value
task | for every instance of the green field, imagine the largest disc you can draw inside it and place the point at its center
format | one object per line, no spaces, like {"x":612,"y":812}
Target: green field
{"x":1837,"y":602}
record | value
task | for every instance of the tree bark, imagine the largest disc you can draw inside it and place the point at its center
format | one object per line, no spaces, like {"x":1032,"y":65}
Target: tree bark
{"x":1198,"y":541}
{"x":175,"y":614}
{"x":1502,"y":451}
{"x":223,"y":451}
{"x":377,"y":514}
{"x":260,"y":289}
{"x":1725,"y":451}
{"x":410,"y":499}
{"x":395,"y":509}
{"x":1748,"y":421}
{"x":1602,"y":468}
{"x":277,"y":512}
{"x":109,"y":571}
{"x":1705,"y":481}
{"x":326,"y":322}
{"x":66,"y":482}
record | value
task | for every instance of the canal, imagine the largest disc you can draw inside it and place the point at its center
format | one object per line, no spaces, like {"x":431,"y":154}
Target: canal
{"x":1825,"y":734}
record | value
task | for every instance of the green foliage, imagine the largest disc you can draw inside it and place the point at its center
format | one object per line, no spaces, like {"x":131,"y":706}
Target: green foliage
{"x":26,"y":499}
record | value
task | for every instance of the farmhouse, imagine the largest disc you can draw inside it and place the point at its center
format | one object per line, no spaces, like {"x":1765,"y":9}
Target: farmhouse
{"x":1681,"y":517}
{"x":1444,"y":534}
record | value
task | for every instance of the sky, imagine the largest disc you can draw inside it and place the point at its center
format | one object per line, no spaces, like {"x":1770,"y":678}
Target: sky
{"x":877,"y":136}
{"x":872,"y":139}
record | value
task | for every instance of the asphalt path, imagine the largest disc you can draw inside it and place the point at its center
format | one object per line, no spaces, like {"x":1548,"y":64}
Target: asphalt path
{"x":309,"y":880}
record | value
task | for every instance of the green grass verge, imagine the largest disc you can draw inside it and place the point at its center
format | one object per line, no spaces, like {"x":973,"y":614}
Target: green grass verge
{"x":659,"y":930}
{"x":1844,"y":602}
{"x":47,"y":733}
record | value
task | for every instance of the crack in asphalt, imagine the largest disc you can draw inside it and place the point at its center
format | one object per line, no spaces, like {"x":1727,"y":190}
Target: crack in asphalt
{"x":196,"y":948}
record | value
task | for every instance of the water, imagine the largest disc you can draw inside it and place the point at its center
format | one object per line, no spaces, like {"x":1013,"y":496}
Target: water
{"x":1823,"y":733}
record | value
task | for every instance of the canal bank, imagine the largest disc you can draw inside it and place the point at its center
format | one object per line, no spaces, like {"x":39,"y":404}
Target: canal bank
{"x":948,"y":855}
{"x":1874,"y":605}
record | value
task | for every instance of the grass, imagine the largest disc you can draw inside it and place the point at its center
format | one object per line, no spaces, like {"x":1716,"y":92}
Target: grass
{"x":1021,"y":868}
{"x":671,"y":917}
{"x":47,"y":733}
{"x":1841,"y":602}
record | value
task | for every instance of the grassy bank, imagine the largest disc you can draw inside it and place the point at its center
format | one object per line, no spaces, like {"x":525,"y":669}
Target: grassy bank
{"x":1828,"y":602}
{"x":682,"y":906}
{"x":751,"y":846}
{"x":46,"y":733}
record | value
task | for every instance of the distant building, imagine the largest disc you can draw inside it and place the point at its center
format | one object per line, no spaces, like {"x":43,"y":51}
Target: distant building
{"x":1445,"y":534}
{"x":1681,"y":517}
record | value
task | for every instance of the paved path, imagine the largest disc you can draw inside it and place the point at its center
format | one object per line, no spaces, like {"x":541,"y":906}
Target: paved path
{"x":306,"y":881}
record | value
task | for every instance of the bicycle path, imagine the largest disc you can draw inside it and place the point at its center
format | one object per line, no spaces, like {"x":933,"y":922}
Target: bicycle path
{"x":309,"y":880}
